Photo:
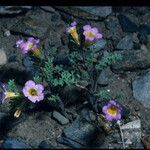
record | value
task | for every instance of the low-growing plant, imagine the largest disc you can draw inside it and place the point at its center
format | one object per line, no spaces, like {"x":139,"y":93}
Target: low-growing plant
{"x":48,"y":77}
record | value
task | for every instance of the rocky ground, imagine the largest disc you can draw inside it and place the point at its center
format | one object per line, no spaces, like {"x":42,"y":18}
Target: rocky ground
{"x":126,"y":31}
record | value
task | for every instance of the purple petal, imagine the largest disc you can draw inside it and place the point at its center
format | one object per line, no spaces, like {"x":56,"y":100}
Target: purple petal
{"x":30,"y":39}
{"x":98,"y":36}
{"x":89,"y":38}
{"x":2,"y":86}
{"x":112,"y":102}
{"x":104,"y":109}
{"x":34,"y":47}
{"x":33,"y":98}
{"x":87,"y":27}
{"x":40,"y":97}
{"x":108,"y":117}
{"x":117,"y":116}
{"x":94,"y":30}
{"x":74,"y":23}
{"x":19,"y":42}
{"x":39,"y":88}
{"x":25,"y":92}
{"x":2,"y":97}
{"x":30,"y":83}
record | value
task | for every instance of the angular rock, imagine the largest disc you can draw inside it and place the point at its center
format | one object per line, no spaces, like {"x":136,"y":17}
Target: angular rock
{"x":45,"y":145}
{"x":126,"y":24}
{"x":141,"y":87}
{"x":146,"y":142}
{"x":34,"y":24}
{"x":81,"y":132}
{"x":13,"y":143}
{"x":125,"y":43}
{"x":98,"y":45}
{"x":7,"y":10}
{"x":112,"y":24}
{"x":132,"y":60}
{"x":60,"y":118}
{"x":104,"y":77}
{"x":3,"y":57}
{"x":144,"y":30}
{"x":93,"y":13}
{"x":132,"y":133}
{"x":48,"y":9}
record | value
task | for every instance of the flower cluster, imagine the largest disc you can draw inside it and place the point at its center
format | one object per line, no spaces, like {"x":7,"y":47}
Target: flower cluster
{"x":112,"y":110}
{"x":90,"y":33}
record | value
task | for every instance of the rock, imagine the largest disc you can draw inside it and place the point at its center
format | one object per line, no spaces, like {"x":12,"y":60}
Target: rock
{"x":112,"y":24}
{"x":132,"y":60}
{"x":141,"y":87}
{"x":125,"y":43}
{"x":45,"y":145}
{"x":9,"y":10}
{"x":98,"y":45}
{"x":35,"y":23}
{"x":146,"y":142}
{"x":144,"y":30}
{"x":7,"y":33}
{"x":81,"y":132}
{"x":104,"y":77}
{"x":60,"y":118}
{"x":93,"y":13}
{"x":132,"y":133}
{"x":73,"y":95}
{"x":126,"y":24}
{"x":13,"y":143}
{"x":48,"y":9}
{"x":3,"y":57}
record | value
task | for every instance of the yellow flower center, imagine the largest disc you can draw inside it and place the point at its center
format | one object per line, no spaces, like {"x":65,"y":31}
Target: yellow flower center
{"x":30,"y":45}
{"x":33,"y":92}
{"x":112,"y":110}
{"x":10,"y":95}
{"x":90,"y":34}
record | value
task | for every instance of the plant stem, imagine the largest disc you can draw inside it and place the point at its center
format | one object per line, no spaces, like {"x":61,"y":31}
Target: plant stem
{"x":122,"y":138}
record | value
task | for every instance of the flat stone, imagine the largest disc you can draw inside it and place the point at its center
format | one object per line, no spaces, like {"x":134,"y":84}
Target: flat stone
{"x":132,"y":133}
{"x":125,"y":43}
{"x":13,"y":143}
{"x":132,"y":60}
{"x":3,"y":57}
{"x":5,"y":10}
{"x":34,"y":24}
{"x":45,"y":145}
{"x":93,"y":13}
{"x":60,"y":118}
{"x":127,"y":25}
{"x":98,"y":45}
{"x":141,"y":87}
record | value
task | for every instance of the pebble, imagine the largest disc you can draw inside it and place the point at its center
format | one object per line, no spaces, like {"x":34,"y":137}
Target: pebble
{"x":60,"y":118}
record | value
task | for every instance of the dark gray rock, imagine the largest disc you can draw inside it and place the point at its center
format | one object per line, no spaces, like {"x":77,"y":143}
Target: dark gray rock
{"x":132,"y":60}
{"x":112,"y":24}
{"x":104,"y":77}
{"x":13,"y":143}
{"x":126,"y":24}
{"x":81,"y":132}
{"x":9,"y":10}
{"x":93,"y":13}
{"x":60,"y":118}
{"x":141,"y":87}
{"x":45,"y":145}
{"x":35,"y":23}
{"x":144,"y":30}
{"x":125,"y":43}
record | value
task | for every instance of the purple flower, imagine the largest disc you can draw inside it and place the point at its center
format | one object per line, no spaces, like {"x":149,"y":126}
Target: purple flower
{"x":4,"y":94}
{"x":91,"y":34}
{"x":28,"y":45}
{"x":112,"y":110}
{"x":73,"y":31}
{"x":34,"y":92}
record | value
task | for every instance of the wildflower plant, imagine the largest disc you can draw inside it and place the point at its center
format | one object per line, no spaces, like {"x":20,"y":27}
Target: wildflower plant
{"x":49,"y":77}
